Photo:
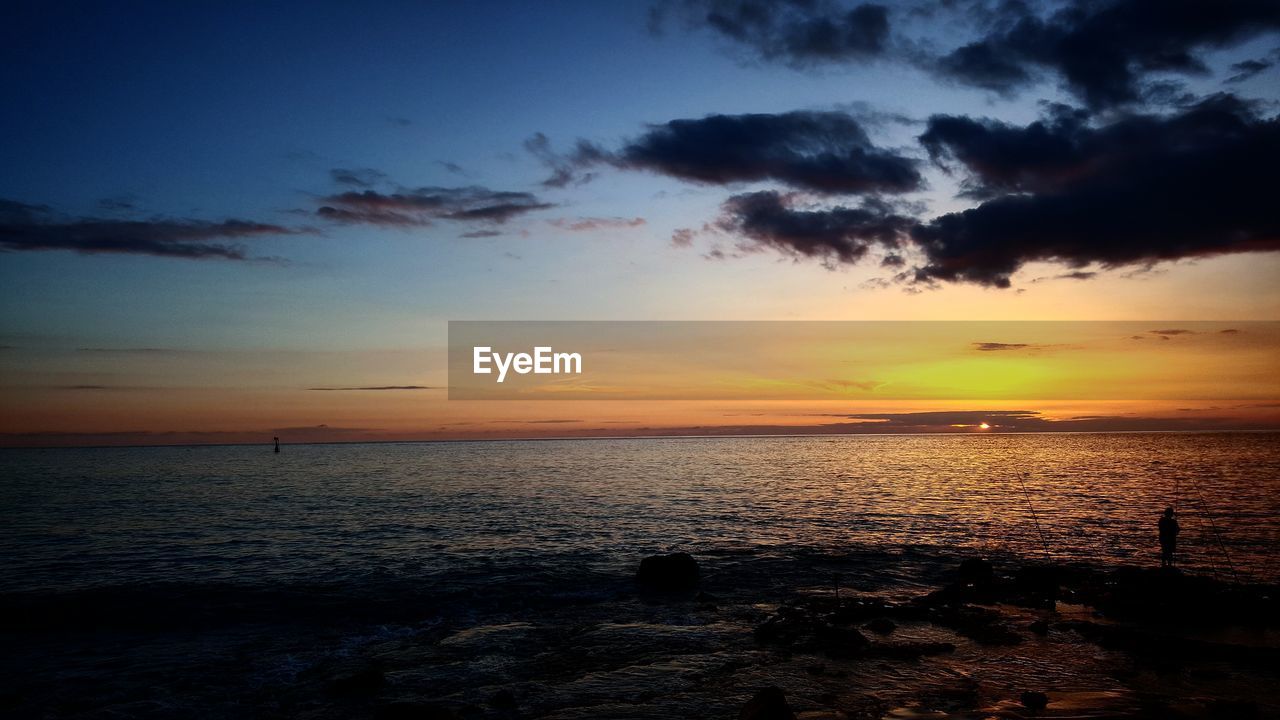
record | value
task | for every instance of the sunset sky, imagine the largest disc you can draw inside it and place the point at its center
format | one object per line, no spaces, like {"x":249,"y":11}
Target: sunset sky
{"x":224,"y":221}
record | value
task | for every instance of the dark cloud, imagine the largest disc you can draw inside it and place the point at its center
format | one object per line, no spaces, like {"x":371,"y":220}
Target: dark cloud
{"x":105,"y":387}
{"x":822,"y":152}
{"x":1138,"y":191}
{"x":997,"y":419}
{"x":376,"y":387}
{"x":1073,"y":275}
{"x":1103,"y":50}
{"x":132,"y":351}
{"x":315,"y":433}
{"x":996,"y":346}
{"x":1002,"y":158}
{"x":769,"y":219}
{"x":26,"y":227}
{"x":801,"y":33}
{"x":1247,"y":69}
{"x":1172,"y":333}
{"x":409,"y":208}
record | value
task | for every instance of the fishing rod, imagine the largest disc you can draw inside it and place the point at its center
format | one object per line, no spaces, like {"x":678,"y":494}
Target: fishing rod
{"x":1034,"y":518}
{"x":1204,"y":507}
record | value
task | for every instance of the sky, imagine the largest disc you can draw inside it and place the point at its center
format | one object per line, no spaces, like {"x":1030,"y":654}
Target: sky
{"x":210,"y":209}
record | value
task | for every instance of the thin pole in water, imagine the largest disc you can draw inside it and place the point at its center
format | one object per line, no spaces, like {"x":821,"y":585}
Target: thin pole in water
{"x":1034,"y":518}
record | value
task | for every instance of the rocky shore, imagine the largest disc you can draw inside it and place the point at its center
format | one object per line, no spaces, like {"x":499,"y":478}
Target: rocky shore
{"x":693,"y":638}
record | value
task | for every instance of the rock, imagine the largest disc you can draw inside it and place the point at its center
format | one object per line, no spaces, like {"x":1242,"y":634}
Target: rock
{"x":841,"y":642}
{"x":780,"y":630}
{"x":678,"y":571}
{"x":1039,"y":627}
{"x":883,"y":626}
{"x":977,"y":572}
{"x":361,"y":682}
{"x":1034,"y":701}
{"x":1235,"y":709}
{"x":503,"y":700}
{"x":978,"y":624}
{"x":1038,"y":585}
{"x":414,"y":711}
{"x":768,"y":704}
{"x":910,"y":650}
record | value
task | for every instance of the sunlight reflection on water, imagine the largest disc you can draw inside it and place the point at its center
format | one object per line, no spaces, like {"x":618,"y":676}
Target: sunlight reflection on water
{"x":88,"y":516}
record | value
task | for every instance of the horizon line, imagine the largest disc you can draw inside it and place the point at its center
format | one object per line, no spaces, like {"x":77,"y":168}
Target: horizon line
{"x":724,"y":436}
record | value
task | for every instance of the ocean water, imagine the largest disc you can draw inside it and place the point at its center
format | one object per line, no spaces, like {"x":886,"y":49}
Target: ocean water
{"x":229,"y":582}
{"x":85,"y":517}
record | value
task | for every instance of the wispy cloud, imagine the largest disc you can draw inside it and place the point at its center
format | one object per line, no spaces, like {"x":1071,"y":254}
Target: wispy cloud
{"x":423,"y":206}
{"x":587,"y":224}
{"x":377,"y":387}
{"x":1011,"y":347}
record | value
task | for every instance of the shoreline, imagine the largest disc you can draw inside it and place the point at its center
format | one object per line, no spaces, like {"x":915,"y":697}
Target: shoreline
{"x":944,"y":638}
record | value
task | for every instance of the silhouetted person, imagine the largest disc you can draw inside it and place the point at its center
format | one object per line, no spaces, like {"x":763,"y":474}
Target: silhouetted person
{"x":1168,"y":538}
{"x":277,"y":444}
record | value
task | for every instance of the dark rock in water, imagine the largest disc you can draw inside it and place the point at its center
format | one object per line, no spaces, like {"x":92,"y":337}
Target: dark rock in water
{"x":978,"y":624}
{"x":1149,"y":594}
{"x":1235,"y":709}
{"x":414,"y":711}
{"x":783,"y":629}
{"x":361,"y":682}
{"x":841,"y":642}
{"x":768,"y":704}
{"x":884,"y":626}
{"x":1039,"y":627}
{"x":1035,"y":701}
{"x":503,"y":700}
{"x":910,"y":650}
{"x":854,"y":610}
{"x":678,"y":571}
{"x":976,"y":571}
{"x":1038,"y":585}
{"x":805,"y":627}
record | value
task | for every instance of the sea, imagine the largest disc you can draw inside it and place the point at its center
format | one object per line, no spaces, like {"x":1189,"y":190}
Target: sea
{"x":497,"y":577}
